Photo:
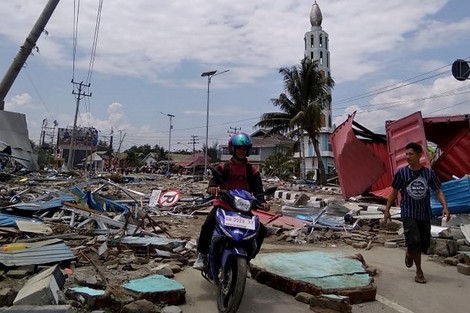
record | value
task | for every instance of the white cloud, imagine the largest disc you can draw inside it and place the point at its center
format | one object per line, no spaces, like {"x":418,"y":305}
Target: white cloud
{"x":167,"y":44}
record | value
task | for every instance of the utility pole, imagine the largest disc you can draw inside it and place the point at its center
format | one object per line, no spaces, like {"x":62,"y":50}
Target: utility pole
{"x":169,"y":140}
{"x":233,"y":130}
{"x":194,"y":141}
{"x":80,"y":95}
{"x":25,"y":50}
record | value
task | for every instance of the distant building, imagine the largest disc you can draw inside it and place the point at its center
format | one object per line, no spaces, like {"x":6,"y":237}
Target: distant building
{"x":85,"y":143}
{"x":151,"y":159}
{"x":263,"y":147}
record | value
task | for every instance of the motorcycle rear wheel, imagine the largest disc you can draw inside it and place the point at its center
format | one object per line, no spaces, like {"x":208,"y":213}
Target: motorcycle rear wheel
{"x":232,"y":285}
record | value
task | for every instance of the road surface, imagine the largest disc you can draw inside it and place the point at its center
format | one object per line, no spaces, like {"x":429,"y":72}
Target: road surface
{"x":446,"y":290}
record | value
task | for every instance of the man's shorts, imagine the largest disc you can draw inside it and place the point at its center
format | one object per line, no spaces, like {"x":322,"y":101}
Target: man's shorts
{"x":417,"y":234}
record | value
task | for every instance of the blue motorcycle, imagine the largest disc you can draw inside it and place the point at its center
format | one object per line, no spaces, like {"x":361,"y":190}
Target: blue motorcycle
{"x":232,"y":247}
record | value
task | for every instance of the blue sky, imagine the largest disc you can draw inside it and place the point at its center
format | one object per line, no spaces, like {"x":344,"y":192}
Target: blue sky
{"x":389,"y":59}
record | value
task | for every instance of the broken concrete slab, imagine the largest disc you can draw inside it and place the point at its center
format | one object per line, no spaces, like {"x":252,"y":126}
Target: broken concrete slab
{"x":41,"y":291}
{"x":157,"y":288}
{"x":315,"y":272}
{"x":94,"y":298}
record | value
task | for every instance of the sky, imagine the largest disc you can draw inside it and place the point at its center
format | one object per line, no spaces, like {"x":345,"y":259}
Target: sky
{"x":388,"y":60}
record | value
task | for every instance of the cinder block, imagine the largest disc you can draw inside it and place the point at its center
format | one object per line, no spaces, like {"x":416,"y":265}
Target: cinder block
{"x":463,"y":269}
{"x":330,"y":301}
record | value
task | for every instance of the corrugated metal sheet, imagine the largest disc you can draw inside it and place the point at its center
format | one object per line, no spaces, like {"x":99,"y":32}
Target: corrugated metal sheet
{"x":400,"y":133}
{"x":456,"y":158}
{"x":440,"y":129}
{"x":380,"y":150}
{"x":457,"y":194}
{"x":358,"y":168}
{"x":450,"y":133}
{"x":37,"y":255}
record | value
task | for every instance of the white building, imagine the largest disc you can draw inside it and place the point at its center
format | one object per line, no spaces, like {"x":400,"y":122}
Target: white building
{"x":317,"y":49}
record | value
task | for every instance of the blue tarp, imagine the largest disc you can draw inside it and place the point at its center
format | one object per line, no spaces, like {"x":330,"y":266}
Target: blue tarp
{"x":457,"y":194}
{"x":7,"y":220}
{"x":42,"y":206}
{"x":99,"y":203}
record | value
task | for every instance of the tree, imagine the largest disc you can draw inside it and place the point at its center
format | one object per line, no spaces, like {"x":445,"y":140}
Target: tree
{"x":212,"y":152}
{"x":307,"y":92}
{"x":279,"y":165}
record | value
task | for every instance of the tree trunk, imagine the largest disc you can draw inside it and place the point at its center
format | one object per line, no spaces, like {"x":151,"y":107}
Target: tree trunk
{"x":321,"y":179}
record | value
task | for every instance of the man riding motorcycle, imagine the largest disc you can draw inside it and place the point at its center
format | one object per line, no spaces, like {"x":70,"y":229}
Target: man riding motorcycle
{"x":238,"y":173}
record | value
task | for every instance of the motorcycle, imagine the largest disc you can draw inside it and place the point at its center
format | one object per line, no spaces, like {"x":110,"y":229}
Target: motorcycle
{"x":232,"y":247}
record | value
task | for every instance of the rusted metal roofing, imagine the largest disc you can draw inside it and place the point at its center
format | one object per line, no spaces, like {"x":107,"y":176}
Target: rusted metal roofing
{"x":400,"y":133}
{"x":357,"y":169}
{"x":357,"y":166}
{"x":380,"y":150}
{"x":450,"y":133}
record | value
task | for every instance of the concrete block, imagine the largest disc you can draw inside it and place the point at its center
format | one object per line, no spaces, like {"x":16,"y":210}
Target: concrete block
{"x":18,"y":273}
{"x":3,"y":295}
{"x":304,"y":297}
{"x":333,"y":302}
{"x":54,"y":271}
{"x":446,"y":247}
{"x":38,"y":292}
{"x":463,"y":269}
{"x":390,"y":244}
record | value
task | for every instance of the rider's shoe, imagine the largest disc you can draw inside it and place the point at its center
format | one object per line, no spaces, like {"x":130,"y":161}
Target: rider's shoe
{"x":199,"y":263}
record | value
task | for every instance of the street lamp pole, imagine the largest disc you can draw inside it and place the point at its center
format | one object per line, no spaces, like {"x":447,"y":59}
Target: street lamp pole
{"x":209,"y":76}
{"x":169,"y":140}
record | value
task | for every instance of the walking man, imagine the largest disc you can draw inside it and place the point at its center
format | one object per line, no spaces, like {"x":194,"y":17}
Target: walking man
{"x":414,"y":183}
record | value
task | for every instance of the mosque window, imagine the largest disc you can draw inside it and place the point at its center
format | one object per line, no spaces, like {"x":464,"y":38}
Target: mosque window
{"x":321,"y":57}
{"x":321,"y":40}
{"x":312,"y":40}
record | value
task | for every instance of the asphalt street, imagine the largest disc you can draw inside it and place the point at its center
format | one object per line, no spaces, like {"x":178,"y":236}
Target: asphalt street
{"x":445,"y":291}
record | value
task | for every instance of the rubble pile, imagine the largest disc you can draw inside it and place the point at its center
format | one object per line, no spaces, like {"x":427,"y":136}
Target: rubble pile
{"x":110,"y":243}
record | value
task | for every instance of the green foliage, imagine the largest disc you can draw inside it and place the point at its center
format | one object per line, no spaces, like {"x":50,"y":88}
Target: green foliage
{"x":307,"y":92}
{"x":279,"y":165}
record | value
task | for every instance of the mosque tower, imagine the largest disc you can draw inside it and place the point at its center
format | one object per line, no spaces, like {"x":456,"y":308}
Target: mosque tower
{"x":317,"y":49}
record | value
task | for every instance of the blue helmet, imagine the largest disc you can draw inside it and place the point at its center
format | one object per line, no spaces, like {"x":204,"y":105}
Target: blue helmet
{"x":240,"y":140}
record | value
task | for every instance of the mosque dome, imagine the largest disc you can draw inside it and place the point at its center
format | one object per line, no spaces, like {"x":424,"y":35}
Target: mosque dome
{"x":315,"y":15}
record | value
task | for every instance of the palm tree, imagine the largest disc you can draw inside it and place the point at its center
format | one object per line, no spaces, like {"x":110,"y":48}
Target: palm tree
{"x":307,"y":92}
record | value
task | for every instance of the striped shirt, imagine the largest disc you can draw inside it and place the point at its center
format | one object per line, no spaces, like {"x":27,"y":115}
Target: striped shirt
{"x":414,"y":187}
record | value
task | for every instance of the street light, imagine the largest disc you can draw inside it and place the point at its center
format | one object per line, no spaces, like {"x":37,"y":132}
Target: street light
{"x":169,"y":140}
{"x":209,"y":76}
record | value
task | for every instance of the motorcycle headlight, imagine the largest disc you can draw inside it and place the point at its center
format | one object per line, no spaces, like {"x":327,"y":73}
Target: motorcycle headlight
{"x":242,"y":204}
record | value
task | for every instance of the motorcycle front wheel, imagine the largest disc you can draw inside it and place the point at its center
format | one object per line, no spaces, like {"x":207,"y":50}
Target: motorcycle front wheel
{"x":232,"y":285}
